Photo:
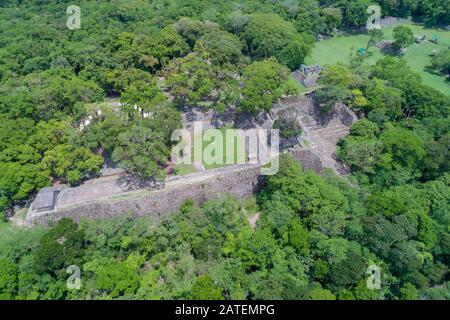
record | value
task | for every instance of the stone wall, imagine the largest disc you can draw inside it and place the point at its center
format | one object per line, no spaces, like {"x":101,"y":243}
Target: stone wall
{"x":240,"y":181}
{"x":105,"y":200}
{"x":308,"y":159}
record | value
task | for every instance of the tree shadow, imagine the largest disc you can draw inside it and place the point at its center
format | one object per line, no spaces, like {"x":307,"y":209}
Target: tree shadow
{"x":131,"y":182}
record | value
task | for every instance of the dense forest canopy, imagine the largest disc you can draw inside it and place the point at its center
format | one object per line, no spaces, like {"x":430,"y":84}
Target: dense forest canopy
{"x":316,"y":235}
{"x":315,"y":240}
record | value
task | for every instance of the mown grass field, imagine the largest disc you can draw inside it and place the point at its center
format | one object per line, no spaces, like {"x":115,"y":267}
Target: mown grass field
{"x":213,"y":148}
{"x":221,"y":153}
{"x":339,"y":48}
{"x":183,"y":169}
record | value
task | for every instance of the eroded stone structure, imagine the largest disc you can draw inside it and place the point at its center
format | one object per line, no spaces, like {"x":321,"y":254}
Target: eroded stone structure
{"x":321,"y":132}
{"x":115,"y":195}
{"x":104,"y":198}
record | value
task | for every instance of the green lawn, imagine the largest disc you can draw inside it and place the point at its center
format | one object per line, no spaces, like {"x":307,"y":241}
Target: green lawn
{"x":237,"y":151}
{"x":182,"y":169}
{"x":221,"y":153}
{"x":339,"y":48}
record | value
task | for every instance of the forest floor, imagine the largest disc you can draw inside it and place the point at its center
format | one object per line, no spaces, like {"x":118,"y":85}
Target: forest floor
{"x":418,"y":55}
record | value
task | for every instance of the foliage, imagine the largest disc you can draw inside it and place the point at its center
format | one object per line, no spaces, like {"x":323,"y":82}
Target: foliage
{"x":263,"y":81}
{"x":288,"y":128}
{"x":141,"y":151}
{"x":69,"y":163}
{"x":205,"y":289}
{"x":190,"y":79}
{"x":441,"y":63}
{"x":328,"y":95}
{"x":403,"y":37}
{"x":297,"y":251}
{"x":316,"y":235}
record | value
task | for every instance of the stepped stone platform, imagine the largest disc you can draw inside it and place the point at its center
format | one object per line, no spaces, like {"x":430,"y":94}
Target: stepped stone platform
{"x":320,"y":133}
{"x":116,"y":193}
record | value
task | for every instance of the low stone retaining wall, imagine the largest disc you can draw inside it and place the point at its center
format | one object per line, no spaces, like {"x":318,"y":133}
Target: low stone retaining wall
{"x":239,"y":181}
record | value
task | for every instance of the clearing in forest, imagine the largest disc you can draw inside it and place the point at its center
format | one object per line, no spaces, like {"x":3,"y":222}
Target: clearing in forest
{"x":418,"y":55}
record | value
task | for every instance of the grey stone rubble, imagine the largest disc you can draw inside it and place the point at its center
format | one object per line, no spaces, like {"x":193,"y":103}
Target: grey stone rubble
{"x":46,"y":199}
{"x":308,"y":80}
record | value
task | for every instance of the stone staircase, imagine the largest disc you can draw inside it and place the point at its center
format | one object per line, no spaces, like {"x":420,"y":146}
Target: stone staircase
{"x":323,"y":140}
{"x":322,"y":133}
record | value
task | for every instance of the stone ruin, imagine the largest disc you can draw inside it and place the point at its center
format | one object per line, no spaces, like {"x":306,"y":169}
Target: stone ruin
{"x":307,"y":75}
{"x":109,"y":196}
{"x":316,"y":147}
{"x":45,"y":199}
{"x":209,"y":118}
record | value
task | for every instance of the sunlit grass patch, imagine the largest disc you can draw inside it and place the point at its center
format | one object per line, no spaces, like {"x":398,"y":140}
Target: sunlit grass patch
{"x":418,"y":55}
